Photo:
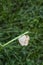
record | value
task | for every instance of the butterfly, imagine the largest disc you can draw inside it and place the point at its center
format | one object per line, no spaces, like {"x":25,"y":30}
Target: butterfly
{"x":24,"y":40}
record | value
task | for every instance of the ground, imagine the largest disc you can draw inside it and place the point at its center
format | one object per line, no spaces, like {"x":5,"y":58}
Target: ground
{"x":17,"y":17}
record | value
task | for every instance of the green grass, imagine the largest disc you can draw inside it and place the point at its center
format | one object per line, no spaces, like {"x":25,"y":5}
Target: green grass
{"x":17,"y":17}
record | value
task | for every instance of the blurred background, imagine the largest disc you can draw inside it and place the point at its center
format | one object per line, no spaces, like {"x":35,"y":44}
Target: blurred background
{"x":16,"y":17}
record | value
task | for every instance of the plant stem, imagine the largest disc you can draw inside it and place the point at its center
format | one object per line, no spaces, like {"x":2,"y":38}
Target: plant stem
{"x":14,"y":39}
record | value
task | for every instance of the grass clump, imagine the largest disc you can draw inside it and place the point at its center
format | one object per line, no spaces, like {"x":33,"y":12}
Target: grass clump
{"x":16,"y":17}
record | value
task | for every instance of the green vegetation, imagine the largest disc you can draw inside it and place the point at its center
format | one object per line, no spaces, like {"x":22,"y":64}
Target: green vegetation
{"x":17,"y":17}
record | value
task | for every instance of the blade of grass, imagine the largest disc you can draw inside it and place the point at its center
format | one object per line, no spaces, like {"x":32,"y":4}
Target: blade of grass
{"x":14,"y":39}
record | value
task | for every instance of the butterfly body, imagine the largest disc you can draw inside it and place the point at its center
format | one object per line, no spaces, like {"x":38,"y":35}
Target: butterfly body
{"x":23,"y":40}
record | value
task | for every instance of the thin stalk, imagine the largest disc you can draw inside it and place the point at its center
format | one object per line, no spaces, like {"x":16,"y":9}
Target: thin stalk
{"x":14,"y":39}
